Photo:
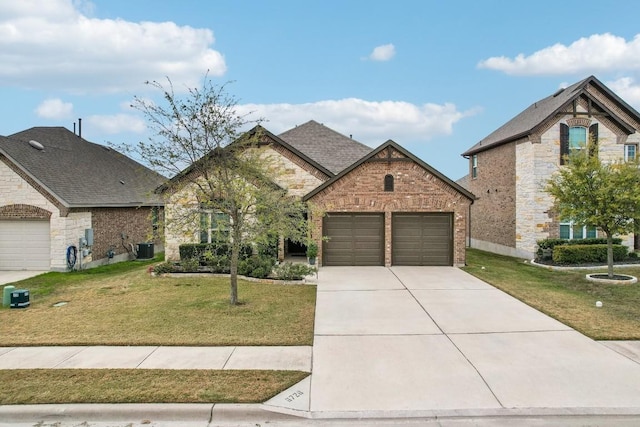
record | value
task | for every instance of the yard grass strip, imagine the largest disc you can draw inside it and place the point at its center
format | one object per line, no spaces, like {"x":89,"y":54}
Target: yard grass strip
{"x":123,"y":304}
{"x":51,"y":386}
{"x":565,"y":295}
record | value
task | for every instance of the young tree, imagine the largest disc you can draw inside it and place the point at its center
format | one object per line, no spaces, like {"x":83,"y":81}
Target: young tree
{"x":591,"y":192}
{"x":217,"y":168}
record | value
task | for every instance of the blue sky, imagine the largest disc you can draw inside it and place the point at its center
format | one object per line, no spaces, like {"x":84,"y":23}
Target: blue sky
{"x":434,"y":76}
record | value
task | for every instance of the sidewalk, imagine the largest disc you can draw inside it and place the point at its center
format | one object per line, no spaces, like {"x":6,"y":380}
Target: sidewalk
{"x":157,"y":357}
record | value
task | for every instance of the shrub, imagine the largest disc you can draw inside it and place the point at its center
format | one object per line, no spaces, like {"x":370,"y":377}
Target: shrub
{"x":633,"y":255}
{"x":257,"y":266}
{"x":190,"y":265}
{"x":290,"y":271}
{"x":546,"y":246}
{"x":165,"y":267}
{"x":217,"y":263}
{"x":582,"y":254}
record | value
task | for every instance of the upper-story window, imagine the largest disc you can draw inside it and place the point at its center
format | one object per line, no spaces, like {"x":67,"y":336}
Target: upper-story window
{"x":578,"y":137}
{"x":474,"y":166}
{"x":630,"y":152}
{"x":388,"y":183}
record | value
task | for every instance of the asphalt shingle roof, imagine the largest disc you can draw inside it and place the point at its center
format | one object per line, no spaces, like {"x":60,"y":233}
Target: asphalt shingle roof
{"x":325,"y":146}
{"x":80,"y":173}
{"x":525,"y":123}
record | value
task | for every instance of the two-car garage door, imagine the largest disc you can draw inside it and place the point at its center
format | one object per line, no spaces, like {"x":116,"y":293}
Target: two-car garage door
{"x":359,"y":239}
{"x":24,"y":245}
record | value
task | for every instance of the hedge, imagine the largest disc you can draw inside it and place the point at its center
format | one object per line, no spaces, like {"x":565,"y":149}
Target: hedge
{"x":583,"y":254}
{"x":551,"y":243}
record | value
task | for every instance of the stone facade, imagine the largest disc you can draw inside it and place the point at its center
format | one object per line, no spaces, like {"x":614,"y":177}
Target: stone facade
{"x":415,"y":190}
{"x":21,"y":198}
{"x":513,"y":210}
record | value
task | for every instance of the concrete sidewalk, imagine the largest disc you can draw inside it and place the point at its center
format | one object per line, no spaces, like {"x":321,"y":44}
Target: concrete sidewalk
{"x":294,"y":358}
{"x":436,"y":341}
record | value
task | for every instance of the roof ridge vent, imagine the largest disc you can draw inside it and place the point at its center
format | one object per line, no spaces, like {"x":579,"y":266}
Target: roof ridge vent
{"x":35,"y":144}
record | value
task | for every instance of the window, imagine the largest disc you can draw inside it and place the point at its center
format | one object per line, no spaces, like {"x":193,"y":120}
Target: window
{"x":571,"y":231}
{"x":630,"y":152}
{"x":574,"y":138}
{"x":577,"y":138}
{"x":474,"y":166}
{"x":388,"y":183}
{"x":214,"y":226}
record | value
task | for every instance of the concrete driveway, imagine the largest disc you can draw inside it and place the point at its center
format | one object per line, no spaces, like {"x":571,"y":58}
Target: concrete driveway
{"x":436,"y":341}
{"x":7,"y":277}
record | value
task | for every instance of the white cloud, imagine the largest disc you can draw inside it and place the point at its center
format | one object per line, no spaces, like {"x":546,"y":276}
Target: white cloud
{"x":596,"y":53}
{"x":369,"y":122}
{"x":54,"y":108}
{"x":115,"y":123}
{"x":383,"y":53}
{"x":54,"y":44}
{"x":627,"y":89}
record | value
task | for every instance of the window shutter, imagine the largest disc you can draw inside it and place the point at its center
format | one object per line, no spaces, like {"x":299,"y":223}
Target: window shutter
{"x":593,"y":139}
{"x":564,"y":142}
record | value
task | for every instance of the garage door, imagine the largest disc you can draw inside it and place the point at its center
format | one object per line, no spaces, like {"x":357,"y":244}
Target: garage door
{"x":353,"y":239}
{"x":24,"y":245}
{"x":422,"y":239}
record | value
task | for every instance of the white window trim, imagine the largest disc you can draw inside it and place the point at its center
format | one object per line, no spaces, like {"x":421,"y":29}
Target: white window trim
{"x":474,"y":166}
{"x":626,"y":152}
{"x":211,"y":231}
{"x":571,"y":226}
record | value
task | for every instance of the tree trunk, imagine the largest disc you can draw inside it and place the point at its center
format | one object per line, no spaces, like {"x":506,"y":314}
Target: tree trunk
{"x":610,"y":255}
{"x":235,"y":256}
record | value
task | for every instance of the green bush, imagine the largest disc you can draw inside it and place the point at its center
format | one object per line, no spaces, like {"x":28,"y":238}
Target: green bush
{"x":165,"y":267}
{"x":197,"y":250}
{"x":190,"y":265}
{"x":257,"y":266}
{"x":583,"y":254}
{"x":546,"y":246}
{"x":290,"y":271}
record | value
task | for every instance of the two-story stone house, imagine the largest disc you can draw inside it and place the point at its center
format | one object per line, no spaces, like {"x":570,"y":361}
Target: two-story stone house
{"x":380,"y":206}
{"x":509,"y":168}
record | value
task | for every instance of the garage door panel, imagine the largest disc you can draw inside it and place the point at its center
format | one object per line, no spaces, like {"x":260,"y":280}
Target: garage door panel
{"x":24,"y":245}
{"x":422,"y":239}
{"x":353,"y":239}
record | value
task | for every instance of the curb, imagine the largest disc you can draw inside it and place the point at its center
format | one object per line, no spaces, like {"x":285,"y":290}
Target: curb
{"x":140,"y":412}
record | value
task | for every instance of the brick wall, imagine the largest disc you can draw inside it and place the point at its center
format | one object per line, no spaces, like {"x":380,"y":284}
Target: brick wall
{"x":415,"y":190}
{"x":110,"y":224}
{"x":493,"y":213}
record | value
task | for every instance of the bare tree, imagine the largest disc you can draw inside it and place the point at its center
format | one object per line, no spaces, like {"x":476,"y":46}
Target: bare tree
{"x":217,"y":167}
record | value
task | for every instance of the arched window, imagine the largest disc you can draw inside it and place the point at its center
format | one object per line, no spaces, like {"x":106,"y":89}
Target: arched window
{"x":388,"y":183}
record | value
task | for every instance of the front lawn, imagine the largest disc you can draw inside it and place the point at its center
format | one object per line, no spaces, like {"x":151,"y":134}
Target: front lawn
{"x":122,"y":304}
{"x":141,"y":386}
{"x":565,"y":295}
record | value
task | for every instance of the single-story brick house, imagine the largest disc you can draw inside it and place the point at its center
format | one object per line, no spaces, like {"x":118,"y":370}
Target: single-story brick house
{"x":380,"y":206}
{"x":55,"y":185}
{"x":509,"y":168}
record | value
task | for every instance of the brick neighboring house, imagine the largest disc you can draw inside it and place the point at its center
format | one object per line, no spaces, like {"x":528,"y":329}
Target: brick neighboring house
{"x":54,"y":185}
{"x":510,"y":167}
{"x":368,"y":207}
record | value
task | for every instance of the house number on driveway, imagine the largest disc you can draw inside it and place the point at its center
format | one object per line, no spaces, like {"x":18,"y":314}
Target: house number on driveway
{"x":293,"y":396}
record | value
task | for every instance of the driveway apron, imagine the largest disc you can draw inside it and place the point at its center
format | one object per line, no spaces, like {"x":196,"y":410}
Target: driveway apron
{"x":436,"y":341}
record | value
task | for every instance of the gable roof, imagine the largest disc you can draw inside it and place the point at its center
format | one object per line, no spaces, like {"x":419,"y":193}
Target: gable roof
{"x":405,"y":153}
{"x":325,"y":146}
{"x":80,"y":173}
{"x":529,"y":120}
{"x":256,"y":130}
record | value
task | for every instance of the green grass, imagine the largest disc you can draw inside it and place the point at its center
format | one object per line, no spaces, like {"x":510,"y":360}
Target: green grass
{"x":122,"y":304}
{"x":141,"y":386}
{"x":565,"y":295}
